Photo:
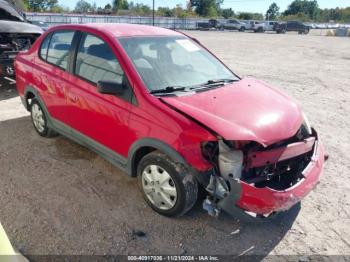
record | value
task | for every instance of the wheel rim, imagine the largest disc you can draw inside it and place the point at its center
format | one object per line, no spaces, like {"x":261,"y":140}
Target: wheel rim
{"x":38,"y":118}
{"x":159,"y":187}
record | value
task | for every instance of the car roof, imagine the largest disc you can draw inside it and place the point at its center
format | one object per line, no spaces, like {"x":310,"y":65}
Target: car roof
{"x":123,"y":30}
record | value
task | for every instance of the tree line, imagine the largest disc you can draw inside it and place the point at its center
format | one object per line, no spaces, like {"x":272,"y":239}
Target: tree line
{"x":304,"y":10}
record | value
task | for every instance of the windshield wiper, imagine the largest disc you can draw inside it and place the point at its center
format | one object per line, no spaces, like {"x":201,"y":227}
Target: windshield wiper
{"x":220,"y":81}
{"x":169,"y":89}
{"x":214,"y":82}
{"x":209,"y":83}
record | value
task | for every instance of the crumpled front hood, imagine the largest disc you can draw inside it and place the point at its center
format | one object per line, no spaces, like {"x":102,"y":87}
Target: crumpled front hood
{"x":247,"y":110}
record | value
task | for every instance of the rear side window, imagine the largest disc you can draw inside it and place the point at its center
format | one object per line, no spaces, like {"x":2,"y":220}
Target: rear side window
{"x":59,"y":47}
{"x":44,"y":46}
{"x":96,"y":62}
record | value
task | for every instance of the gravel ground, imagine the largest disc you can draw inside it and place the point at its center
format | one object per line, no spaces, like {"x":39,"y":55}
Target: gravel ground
{"x":57,"y":197}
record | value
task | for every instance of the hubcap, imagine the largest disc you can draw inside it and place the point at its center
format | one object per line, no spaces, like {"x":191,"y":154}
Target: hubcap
{"x":159,"y":187}
{"x":38,"y":118}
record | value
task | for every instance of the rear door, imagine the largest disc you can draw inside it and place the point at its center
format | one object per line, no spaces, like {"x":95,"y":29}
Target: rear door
{"x":51,"y":72}
{"x":100,"y":120}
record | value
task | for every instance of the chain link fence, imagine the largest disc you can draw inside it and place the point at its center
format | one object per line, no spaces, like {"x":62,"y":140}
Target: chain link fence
{"x":166,"y":22}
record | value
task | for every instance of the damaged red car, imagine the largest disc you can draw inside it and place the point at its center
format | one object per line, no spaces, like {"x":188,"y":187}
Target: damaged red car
{"x":159,"y":105}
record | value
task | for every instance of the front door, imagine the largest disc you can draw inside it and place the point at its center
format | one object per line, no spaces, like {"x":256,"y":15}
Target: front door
{"x":94,"y":116}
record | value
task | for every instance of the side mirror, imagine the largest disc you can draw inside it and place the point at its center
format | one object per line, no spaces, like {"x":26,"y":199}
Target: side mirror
{"x":110,"y":87}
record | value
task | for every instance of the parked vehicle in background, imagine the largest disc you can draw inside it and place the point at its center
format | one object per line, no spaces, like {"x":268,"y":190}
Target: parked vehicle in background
{"x":234,"y":24}
{"x":44,"y":26}
{"x":280,"y":28}
{"x":333,"y":26}
{"x":160,"y":106}
{"x":270,"y":25}
{"x":293,"y":26}
{"x":321,"y":26}
{"x":211,"y":24}
{"x":257,"y":27}
{"x":311,"y":25}
{"x":16,"y":34}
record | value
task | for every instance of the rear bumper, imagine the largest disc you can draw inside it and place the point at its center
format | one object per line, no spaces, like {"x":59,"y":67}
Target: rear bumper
{"x":266,"y":200}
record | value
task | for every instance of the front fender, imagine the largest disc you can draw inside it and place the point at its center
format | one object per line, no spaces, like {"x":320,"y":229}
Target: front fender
{"x":131,"y":167}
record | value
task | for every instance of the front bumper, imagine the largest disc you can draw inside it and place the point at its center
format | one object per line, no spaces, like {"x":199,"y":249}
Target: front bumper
{"x":265,"y":201}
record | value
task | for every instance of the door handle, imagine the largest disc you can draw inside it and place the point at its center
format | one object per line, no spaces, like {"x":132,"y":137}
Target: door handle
{"x":73,"y":98}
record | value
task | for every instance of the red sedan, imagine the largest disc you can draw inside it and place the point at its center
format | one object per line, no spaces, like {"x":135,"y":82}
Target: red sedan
{"x":159,"y":105}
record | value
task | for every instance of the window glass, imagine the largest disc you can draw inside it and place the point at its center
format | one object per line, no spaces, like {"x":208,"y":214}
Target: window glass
{"x":44,"y":46}
{"x":96,"y":61}
{"x":173,"y":61}
{"x":59,"y":48}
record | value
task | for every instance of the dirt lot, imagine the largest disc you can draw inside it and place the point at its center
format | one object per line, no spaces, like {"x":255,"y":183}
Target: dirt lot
{"x":57,"y":197}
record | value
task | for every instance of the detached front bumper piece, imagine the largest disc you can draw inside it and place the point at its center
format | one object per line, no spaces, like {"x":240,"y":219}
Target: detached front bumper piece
{"x":247,"y":199}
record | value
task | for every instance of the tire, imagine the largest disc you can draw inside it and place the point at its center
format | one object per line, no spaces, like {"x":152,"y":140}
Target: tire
{"x":242,"y":29}
{"x":39,"y":120}
{"x":165,"y":185}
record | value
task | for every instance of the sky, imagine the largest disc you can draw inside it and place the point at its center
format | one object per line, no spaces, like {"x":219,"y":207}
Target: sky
{"x":259,"y":6}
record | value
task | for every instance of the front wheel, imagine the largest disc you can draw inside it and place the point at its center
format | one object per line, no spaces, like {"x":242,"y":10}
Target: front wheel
{"x":242,"y":29}
{"x":167,"y":187}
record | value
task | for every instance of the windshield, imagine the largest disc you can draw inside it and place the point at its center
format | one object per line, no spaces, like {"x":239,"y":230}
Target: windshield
{"x":165,"y":62}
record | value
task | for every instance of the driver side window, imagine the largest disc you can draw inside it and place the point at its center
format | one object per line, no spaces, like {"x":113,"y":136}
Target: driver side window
{"x":96,"y":61}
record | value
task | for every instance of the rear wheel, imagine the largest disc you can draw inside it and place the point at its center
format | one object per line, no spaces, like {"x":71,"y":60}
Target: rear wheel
{"x":39,"y":120}
{"x":166,"y":186}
